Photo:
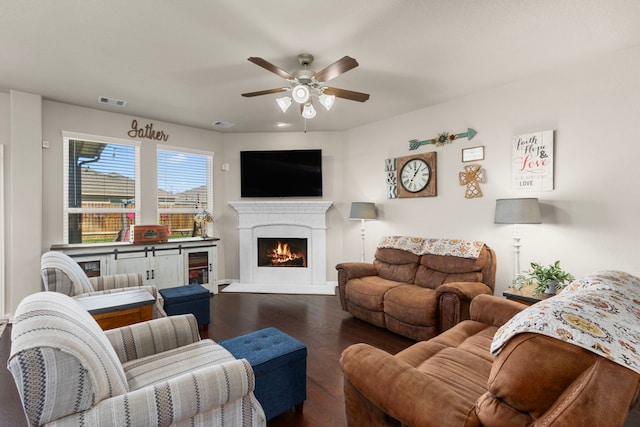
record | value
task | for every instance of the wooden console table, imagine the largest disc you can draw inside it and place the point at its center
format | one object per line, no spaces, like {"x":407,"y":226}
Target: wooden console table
{"x":119,"y":308}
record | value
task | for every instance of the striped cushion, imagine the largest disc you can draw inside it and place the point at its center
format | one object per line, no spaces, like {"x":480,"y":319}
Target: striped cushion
{"x":116,"y":281}
{"x":173,"y":363}
{"x":60,"y":271}
{"x":147,"y":338}
{"x":60,"y":359}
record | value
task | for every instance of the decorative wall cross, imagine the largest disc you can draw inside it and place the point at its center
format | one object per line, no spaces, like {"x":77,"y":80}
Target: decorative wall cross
{"x":472,"y":176}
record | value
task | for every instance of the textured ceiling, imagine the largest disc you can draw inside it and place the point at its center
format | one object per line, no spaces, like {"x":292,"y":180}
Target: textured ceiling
{"x":186,"y":61}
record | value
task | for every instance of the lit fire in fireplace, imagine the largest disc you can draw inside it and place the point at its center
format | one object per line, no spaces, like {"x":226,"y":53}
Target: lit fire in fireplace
{"x":289,"y":252}
{"x":282,"y":254}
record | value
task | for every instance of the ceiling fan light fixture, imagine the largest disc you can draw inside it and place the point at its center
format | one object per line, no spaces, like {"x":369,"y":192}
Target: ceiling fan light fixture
{"x":300,"y":94}
{"x":327,"y":101}
{"x":308,"y":112}
{"x":284,"y":103}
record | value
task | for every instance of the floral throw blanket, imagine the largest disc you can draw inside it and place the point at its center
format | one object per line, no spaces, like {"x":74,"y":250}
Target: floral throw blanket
{"x":600,"y":313}
{"x":423,"y":246}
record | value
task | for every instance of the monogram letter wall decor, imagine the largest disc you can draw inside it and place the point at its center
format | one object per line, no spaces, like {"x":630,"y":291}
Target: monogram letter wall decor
{"x":392,"y":181}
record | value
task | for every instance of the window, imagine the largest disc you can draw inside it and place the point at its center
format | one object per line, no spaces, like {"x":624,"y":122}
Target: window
{"x":185,"y":187}
{"x":102,"y":187}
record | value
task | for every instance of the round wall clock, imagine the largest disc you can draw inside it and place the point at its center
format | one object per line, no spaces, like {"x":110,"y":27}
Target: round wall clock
{"x":414,"y":175}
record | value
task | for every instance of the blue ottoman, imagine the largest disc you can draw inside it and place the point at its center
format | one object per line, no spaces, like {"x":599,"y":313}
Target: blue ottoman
{"x":279,"y":364}
{"x":188,"y":299}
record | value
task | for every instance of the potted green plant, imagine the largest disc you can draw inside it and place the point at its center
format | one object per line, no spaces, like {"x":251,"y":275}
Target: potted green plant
{"x":549,"y":279}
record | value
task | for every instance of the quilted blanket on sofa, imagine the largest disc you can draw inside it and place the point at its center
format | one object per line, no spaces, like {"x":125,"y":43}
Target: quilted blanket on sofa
{"x":423,"y":246}
{"x":600,"y":313}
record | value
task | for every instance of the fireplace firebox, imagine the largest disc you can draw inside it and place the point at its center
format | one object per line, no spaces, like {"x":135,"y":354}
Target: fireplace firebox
{"x":282,"y":252}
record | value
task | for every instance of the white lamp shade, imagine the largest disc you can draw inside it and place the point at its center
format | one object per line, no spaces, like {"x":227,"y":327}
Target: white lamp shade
{"x":284,"y":103}
{"x":308,"y":112}
{"x":517,"y":211}
{"x":327,"y":101}
{"x":363,"y":210}
{"x":300,"y":94}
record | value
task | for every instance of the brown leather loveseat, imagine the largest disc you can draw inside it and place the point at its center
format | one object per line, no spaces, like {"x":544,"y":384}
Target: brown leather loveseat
{"x":480,"y":373}
{"x":417,"y":287}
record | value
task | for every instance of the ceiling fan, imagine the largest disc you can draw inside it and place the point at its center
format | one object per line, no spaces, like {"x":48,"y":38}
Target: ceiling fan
{"x":305,"y":84}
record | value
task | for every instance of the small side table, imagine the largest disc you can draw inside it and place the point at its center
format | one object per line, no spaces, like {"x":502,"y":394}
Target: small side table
{"x":119,"y":308}
{"x":524,"y":295}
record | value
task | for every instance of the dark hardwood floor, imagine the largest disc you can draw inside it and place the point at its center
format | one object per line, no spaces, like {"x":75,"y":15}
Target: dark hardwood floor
{"x":316,"y":320}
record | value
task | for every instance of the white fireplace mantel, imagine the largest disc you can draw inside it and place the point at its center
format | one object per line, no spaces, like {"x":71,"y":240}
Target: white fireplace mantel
{"x":300,"y":219}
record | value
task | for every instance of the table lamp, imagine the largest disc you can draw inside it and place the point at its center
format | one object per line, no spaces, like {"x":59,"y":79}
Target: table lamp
{"x":202,"y":218}
{"x":517,"y":211}
{"x":363,"y":211}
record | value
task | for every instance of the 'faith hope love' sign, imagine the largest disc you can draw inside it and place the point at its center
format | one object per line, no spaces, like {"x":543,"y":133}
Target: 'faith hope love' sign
{"x":532,"y":162}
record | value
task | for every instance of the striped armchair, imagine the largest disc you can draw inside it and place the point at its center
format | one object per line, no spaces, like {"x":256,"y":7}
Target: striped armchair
{"x":60,"y":273}
{"x":157,"y":373}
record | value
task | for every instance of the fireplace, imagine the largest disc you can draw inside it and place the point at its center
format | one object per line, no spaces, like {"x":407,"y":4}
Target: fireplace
{"x":285,"y":252}
{"x":301,"y":225}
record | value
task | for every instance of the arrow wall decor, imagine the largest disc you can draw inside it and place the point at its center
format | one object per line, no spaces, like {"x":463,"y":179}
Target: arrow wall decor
{"x":442,"y":139}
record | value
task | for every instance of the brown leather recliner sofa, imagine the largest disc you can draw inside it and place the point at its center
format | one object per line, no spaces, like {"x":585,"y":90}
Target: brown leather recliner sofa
{"x":417,"y":296}
{"x":453,"y":380}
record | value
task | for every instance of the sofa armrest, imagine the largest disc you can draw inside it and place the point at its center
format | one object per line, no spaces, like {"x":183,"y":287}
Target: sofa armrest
{"x":493,"y":310}
{"x":454,"y":300}
{"x":154,"y":336}
{"x":181,"y":398}
{"x":400,"y":390}
{"x":464,"y":290}
{"x":352,"y":270}
{"x":357,"y":269}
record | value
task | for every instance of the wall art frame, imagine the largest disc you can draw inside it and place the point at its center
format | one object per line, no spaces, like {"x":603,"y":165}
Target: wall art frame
{"x":473,"y":154}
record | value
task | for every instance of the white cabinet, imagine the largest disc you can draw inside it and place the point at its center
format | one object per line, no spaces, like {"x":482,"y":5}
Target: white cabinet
{"x":93,"y":266}
{"x":163,"y":265}
{"x":200,"y":264}
{"x":160,"y":267}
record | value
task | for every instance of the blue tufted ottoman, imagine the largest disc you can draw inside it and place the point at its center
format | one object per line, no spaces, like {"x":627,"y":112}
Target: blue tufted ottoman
{"x":187,"y":299}
{"x":279,"y":364}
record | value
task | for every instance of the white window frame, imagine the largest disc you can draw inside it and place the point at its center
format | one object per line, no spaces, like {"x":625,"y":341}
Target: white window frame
{"x":209,"y":155}
{"x":67,"y":136}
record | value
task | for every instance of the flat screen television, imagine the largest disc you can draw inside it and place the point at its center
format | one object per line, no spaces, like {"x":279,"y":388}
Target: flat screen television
{"x":281,"y":173}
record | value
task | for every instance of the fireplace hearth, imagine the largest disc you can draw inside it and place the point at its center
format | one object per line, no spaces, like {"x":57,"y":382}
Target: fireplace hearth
{"x":282,"y":252}
{"x":288,"y":223}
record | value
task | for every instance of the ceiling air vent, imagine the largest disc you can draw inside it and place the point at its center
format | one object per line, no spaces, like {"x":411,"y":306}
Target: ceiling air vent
{"x":112,"y":101}
{"x":222,"y":124}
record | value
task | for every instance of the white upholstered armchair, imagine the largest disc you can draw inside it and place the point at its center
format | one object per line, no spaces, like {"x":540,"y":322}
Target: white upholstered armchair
{"x":156,"y":373}
{"x":60,"y":273}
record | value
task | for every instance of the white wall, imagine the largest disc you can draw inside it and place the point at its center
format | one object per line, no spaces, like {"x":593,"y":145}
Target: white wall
{"x":23,"y":211}
{"x":589,"y":220}
{"x":4,"y":142}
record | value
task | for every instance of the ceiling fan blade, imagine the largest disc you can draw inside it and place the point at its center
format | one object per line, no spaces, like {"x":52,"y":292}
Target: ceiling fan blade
{"x":270,"y":67}
{"x":334,"y":70}
{"x":347,"y":94}
{"x":265,"y":92}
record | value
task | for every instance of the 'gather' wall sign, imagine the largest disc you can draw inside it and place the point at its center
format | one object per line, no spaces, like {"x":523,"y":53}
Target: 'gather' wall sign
{"x":146,"y":132}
